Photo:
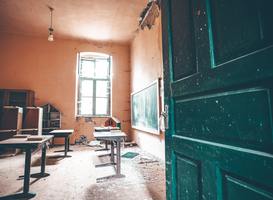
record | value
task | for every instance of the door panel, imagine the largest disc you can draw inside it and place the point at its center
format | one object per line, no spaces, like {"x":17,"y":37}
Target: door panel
{"x":235,"y":187}
{"x":188,"y":177}
{"x":218,"y":80}
{"x":183,"y":32}
{"x":251,"y":31}
{"x":235,"y":117}
{"x":218,"y":166}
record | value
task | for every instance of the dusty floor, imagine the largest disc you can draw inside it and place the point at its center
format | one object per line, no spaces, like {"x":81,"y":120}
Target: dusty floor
{"x":75,"y":177}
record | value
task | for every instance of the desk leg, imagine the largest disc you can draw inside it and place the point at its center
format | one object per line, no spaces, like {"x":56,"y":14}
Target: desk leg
{"x":65,"y":146}
{"x":65,"y":149}
{"x":27,"y":170}
{"x":68,"y":147}
{"x":53,"y":142}
{"x":26,"y":193}
{"x":109,"y":154}
{"x":112,"y":152}
{"x":118,"y":157}
{"x":118,"y":174}
{"x":104,"y":149}
{"x":69,"y":144}
{"x":42,"y":173}
{"x":43,"y":160}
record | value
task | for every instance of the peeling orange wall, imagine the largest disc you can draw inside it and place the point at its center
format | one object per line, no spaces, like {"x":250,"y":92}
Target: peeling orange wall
{"x":49,"y":69}
{"x":146,"y":66}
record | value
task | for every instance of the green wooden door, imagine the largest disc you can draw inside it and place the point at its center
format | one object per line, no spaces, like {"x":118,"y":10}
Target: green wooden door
{"x":218,"y":80}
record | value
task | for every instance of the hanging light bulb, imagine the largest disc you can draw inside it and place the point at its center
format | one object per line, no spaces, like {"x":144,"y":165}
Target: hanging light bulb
{"x":50,"y":37}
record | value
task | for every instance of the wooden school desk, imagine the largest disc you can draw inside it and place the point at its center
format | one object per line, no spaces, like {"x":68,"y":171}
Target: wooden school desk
{"x":65,"y":134}
{"x":29,"y":143}
{"x":117,"y":137}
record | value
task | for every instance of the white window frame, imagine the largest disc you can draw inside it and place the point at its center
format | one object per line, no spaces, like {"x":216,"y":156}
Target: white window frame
{"x":94,"y":80}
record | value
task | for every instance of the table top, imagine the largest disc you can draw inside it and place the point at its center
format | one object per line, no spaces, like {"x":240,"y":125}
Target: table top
{"x":66,"y":131}
{"x":107,"y":128}
{"x":24,"y":143}
{"x":109,"y":135}
{"x":7,"y":131}
{"x":14,"y":130}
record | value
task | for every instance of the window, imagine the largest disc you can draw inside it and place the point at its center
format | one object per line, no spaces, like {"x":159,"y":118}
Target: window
{"x":94,"y":86}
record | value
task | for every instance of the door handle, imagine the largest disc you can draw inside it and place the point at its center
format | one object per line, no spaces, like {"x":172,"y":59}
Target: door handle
{"x":163,"y":119}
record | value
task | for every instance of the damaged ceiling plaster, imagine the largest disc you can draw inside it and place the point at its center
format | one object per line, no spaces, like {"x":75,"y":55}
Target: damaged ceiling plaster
{"x":149,"y":14}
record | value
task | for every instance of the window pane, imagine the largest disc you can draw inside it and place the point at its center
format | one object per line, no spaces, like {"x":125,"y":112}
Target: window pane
{"x":102,"y":69}
{"x":101,"y":106}
{"x":102,"y":88}
{"x":87,"y":88}
{"x":86,"y":106}
{"x":87,"y":69}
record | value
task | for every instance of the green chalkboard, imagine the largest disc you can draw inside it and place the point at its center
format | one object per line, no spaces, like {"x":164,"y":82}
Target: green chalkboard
{"x":145,"y":108}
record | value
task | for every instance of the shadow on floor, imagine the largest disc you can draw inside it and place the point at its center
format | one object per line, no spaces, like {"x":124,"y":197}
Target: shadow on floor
{"x":49,"y":161}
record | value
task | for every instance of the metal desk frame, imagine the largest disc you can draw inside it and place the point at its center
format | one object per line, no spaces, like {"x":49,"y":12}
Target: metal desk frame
{"x":105,"y":129}
{"x":117,"y":137}
{"x":66,"y":134}
{"x":22,"y":143}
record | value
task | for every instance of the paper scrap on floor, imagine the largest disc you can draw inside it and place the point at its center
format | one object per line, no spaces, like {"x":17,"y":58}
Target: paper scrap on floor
{"x":94,"y":143}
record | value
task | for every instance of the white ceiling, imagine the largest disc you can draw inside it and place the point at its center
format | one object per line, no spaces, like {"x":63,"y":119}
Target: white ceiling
{"x":98,"y":20}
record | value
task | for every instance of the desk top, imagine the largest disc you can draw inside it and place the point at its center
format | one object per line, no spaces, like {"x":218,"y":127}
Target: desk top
{"x":24,"y":143}
{"x":67,"y":131}
{"x":109,"y":135}
{"x":7,"y":131}
{"x":14,"y":130}
{"x":107,"y":128}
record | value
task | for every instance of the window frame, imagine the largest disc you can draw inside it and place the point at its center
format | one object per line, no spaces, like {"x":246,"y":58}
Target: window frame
{"x":94,"y":80}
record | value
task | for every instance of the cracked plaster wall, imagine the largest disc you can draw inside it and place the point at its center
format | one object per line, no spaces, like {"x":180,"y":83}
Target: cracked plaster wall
{"x":147,"y":66}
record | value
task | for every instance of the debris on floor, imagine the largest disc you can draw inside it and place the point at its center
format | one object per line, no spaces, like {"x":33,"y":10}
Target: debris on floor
{"x":130,"y":143}
{"x":75,"y":177}
{"x":81,"y":140}
{"x":94,"y":143}
{"x":144,"y":160}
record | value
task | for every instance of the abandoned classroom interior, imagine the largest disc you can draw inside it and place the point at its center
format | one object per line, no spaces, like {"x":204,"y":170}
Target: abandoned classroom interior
{"x":189,"y":83}
{"x":32,"y":63}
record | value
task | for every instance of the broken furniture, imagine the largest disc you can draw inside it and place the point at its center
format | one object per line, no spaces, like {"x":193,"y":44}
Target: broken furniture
{"x":51,"y":117}
{"x":66,"y":134}
{"x":13,"y":97}
{"x":33,"y":121}
{"x":113,"y":137}
{"x":28,"y":143}
{"x":11,"y":122}
{"x":105,"y":129}
{"x":10,"y":125}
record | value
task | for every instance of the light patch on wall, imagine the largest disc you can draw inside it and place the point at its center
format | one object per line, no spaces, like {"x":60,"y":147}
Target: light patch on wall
{"x":149,"y":14}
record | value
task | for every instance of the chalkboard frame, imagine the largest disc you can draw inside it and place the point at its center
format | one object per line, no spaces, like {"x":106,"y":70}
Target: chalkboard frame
{"x":133,"y":109}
